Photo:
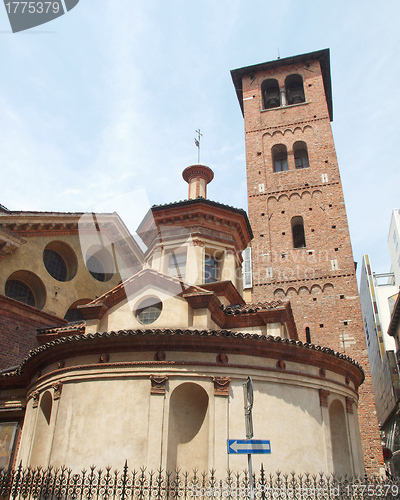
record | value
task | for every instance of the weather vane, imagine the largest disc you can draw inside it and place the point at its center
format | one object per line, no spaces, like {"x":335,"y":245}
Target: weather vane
{"x":197,"y":142}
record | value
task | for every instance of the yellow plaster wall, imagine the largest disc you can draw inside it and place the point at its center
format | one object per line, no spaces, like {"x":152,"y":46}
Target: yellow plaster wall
{"x":59,"y":295}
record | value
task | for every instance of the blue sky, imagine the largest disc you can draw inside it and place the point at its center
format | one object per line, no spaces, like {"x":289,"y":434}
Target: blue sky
{"x":98,"y":109}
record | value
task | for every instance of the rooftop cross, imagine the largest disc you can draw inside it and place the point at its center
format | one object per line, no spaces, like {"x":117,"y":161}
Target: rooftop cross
{"x":197,"y":142}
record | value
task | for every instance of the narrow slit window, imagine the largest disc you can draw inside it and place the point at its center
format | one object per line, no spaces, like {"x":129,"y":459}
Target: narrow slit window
{"x":210,"y":269}
{"x":299,"y":239}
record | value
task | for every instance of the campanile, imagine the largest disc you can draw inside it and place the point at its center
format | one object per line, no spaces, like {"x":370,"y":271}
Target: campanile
{"x":301,"y":248}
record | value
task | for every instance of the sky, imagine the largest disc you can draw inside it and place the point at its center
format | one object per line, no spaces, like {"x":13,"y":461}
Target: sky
{"x":99,"y":108}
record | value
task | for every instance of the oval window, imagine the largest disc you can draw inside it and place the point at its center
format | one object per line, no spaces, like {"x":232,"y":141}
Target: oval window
{"x":18,"y":290}
{"x":149,"y":311}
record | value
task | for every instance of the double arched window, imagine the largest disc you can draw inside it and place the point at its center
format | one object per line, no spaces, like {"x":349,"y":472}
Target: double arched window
{"x":274,"y":97}
{"x":280,"y":156}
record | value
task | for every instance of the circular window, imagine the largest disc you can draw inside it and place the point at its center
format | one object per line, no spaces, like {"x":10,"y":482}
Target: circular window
{"x":75,"y":314}
{"x":60,"y":261}
{"x":26,"y":287}
{"x":149,"y":311}
{"x":100,"y":264}
{"x":55,"y":265}
{"x":18,"y":290}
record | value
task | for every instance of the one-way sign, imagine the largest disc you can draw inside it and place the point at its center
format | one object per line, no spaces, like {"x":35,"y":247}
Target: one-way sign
{"x":249,"y":446}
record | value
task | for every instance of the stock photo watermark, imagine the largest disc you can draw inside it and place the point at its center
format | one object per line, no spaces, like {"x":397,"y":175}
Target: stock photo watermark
{"x":26,"y":15}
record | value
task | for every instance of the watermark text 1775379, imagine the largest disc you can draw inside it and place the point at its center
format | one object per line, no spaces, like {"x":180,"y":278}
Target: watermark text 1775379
{"x":24,"y":15}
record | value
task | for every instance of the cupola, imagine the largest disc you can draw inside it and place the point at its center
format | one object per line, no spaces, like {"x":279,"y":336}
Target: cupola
{"x":198,"y":176}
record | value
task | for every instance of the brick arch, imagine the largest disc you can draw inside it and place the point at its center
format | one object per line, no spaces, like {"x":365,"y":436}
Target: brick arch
{"x":291,"y":291}
{"x":317,"y":194}
{"x":328,"y":287}
{"x":272,"y":201}
{"x":316,"y":289}
{"x":283,"y":197}
{"x":279,"y":293}
{"x":277,"y":132}
{"x":294,"y":196}
{"x":267,"y":134}
{"x":298,"y":129}
{"x":303,"y":290}
{"x":307,"y":127}
{"x":289,"y":130}
{"x":305,"y":195}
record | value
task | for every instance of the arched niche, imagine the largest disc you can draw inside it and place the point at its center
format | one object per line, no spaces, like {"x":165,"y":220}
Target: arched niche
{"x":339,"y":439}
{"x":43,"y":434}
{"x":188,"y":428}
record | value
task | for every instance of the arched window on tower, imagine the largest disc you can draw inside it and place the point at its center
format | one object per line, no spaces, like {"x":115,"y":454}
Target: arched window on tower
{"x":279,"y":157}
{"x":294,"y":89}
{"x":299,"y":239}
{"x":271,"y":95}
{"x":300,"y":154}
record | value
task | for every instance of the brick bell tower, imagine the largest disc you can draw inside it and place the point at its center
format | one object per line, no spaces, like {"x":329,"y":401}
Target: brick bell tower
{"x":301,"y":248}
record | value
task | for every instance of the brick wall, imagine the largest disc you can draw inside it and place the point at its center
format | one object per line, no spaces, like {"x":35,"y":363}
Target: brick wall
{"x":319,"y":279}
{"x":18,"y":324}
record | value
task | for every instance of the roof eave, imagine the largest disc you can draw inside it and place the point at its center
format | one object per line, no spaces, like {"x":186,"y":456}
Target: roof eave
{"x":322,"y":55}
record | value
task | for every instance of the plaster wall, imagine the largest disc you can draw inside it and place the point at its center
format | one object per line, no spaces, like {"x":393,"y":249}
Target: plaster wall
{"x":107,"y":414}
{"x":176,"y":312}
{"x":60,"y":295}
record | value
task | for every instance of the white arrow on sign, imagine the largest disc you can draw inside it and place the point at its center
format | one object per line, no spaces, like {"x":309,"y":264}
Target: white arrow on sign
{"x":252,"y":446}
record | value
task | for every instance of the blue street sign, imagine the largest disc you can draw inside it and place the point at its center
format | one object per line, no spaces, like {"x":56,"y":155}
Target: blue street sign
{"x":249,"y":446}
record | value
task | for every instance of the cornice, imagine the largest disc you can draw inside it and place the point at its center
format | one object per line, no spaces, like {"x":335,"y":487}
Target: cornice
{"x":182,"y":340}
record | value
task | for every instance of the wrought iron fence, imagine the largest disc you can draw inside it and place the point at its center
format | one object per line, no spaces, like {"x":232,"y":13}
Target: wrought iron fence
{"x":97,"y":484}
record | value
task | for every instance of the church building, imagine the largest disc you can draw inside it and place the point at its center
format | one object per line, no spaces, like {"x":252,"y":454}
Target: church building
{"x":154,"y":372}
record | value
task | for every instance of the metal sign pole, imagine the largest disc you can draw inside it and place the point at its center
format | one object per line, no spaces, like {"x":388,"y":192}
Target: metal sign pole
{"x":248,"y":405}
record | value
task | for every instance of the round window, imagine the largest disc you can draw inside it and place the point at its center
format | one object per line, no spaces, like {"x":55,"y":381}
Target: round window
{"x":149,"y":311}
{"x":60,"y":261}
{"x":18,"y":290}
{"x":100,"y":263}
{"x":55,"y":265}
{"x":26,"y":287}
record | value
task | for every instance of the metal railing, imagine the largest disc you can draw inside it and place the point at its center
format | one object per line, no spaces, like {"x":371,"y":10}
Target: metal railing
{"x":95,"y":484}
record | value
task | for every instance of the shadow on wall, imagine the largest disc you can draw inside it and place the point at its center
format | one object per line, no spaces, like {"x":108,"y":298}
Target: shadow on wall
{"x":188,"y":428}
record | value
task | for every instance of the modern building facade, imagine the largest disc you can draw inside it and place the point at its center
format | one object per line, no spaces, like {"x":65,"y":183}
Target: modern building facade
{"x":394,"y":244}
{"x":301,"y":248}
{"x":379,"y":303}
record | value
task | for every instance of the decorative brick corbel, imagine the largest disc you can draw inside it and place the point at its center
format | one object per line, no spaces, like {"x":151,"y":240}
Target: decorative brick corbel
{"x":57,"y":387}
{"x":35,"y":399}
{"x":158,"y":384}
{"x":349,"y":404}
{"x":221,"y":386}
{"x":323,"y":397}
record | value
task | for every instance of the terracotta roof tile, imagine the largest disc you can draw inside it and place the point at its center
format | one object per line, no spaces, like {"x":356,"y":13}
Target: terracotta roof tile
{"x":76,"y":326}
{"x":129,"y":335}
{"x":253,"y":307}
